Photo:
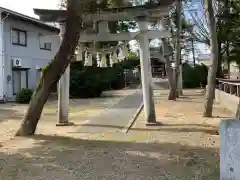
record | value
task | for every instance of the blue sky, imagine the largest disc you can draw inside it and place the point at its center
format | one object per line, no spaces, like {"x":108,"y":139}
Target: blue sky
{"x":196,"y":9}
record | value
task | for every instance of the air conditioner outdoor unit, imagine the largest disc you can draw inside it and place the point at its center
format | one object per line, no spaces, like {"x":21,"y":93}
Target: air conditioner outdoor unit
{"x":17,"y":62}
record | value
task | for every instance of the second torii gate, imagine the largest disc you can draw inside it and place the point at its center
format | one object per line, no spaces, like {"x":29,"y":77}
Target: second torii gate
{"x":143,"y":15}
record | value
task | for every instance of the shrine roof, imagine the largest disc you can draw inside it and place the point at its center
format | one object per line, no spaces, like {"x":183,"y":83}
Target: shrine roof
{"x":58,"y":15}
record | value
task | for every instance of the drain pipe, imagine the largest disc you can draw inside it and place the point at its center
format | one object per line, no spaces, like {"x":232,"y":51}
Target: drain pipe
{"x":2,"y":57}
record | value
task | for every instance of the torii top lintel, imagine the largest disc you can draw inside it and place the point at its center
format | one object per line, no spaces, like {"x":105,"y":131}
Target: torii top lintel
{"x":150,"y":11}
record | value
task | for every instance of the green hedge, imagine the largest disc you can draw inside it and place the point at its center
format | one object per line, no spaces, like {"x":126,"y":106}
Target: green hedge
{"x":129,"y":64}
{"x":86,"y":82}
{"x":194,"y":77}
{"x":24,"y":96}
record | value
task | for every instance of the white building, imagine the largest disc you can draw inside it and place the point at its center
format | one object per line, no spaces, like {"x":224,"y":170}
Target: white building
{"x":26,"y":46}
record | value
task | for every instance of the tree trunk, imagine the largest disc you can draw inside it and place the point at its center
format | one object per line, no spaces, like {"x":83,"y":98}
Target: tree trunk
{"x":52,"y":72}
{"x":170,"y":76}
{"x":226,"y":3}
{"x":193,"y":52}
{"x":178,"y":50}
{"x":208,"y":105}
{"x":229,"y":69}
{"x":237,"y":115}
{"x":228,"y":62}
{"x":219,"y":70}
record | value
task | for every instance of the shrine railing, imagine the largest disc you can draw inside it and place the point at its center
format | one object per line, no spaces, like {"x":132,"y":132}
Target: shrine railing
{"x":229,"y":86}
{"x":227,"y":93}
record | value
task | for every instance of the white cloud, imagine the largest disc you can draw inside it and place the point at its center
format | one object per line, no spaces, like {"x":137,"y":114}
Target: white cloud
{"x":26,"y":6}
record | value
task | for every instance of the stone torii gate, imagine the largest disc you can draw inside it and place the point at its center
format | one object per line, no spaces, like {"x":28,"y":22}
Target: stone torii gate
{"x":142,"y":15}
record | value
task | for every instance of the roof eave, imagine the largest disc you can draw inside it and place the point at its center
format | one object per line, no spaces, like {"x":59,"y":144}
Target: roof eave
{"x":29,"y":19}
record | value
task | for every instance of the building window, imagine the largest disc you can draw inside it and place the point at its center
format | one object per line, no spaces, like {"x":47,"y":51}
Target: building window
{"x":44,"y":42}
{"x":19,"y":37}
{"x":46,"y":46}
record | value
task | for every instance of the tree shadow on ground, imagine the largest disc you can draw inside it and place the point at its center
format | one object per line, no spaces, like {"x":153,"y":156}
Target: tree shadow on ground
{"x":197,"y":101}
{"x":193,"y":94}
{"x":204,"y":128}
{"x":222,"y":117}
{"x":109,"y":96}
{"x":196,"y":98}
{"x":9,"y":114}
{"x":58,"y":157}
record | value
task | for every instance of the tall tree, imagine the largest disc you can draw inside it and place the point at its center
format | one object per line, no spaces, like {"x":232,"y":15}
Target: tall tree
{"x":182,"y":33}
{"x":193,"y":52}
{"x":208,"y":105}
{"x":178,"y":80}
{"x":53,"y":71}
{"x":174,"y":23}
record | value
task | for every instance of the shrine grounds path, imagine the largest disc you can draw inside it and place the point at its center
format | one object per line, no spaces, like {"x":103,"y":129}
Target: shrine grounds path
{"x":184,"y":148}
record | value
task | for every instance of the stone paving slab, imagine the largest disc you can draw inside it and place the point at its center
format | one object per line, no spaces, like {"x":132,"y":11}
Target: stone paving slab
{"x":115,"y":118}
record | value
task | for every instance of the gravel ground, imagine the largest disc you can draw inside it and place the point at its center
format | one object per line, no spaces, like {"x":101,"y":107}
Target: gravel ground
{"x":185,"y":148}
{"x":80,"y":110}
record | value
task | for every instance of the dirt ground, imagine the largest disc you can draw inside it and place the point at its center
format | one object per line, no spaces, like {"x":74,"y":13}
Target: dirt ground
{"x":80,"y":110}
{"x":185,"y":147}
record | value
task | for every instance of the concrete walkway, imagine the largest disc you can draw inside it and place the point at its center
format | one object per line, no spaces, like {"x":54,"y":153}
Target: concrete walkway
{"x":115,"y":118}
{"x":118,"y":117}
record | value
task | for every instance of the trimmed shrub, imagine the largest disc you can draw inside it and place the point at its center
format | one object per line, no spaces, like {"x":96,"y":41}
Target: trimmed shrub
{"x":24,"y":96}
{"x":130,"y":64}
{"x":194,"y":77}
{"x":86,"y":82}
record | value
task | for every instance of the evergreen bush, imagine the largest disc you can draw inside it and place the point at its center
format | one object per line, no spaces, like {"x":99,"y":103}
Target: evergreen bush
{"x":24,"y":96}
{"x":194,"y":77}
{"x":86,"y":82}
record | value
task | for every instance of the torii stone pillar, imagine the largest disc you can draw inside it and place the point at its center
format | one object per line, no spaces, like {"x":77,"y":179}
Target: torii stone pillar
{"x":115,"y":57}
{"x":88,"y":59}
{"x":2,"y":78}
{"x":80,"y":52}
{"x":63,"y":91}
{"x":180,"y":82}
{"x":125,"y":51}
{"x":103,"y":62}
{"x":146,"y":73}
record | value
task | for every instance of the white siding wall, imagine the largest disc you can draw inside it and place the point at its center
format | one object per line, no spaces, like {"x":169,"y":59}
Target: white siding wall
{"x":31,"y":56}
